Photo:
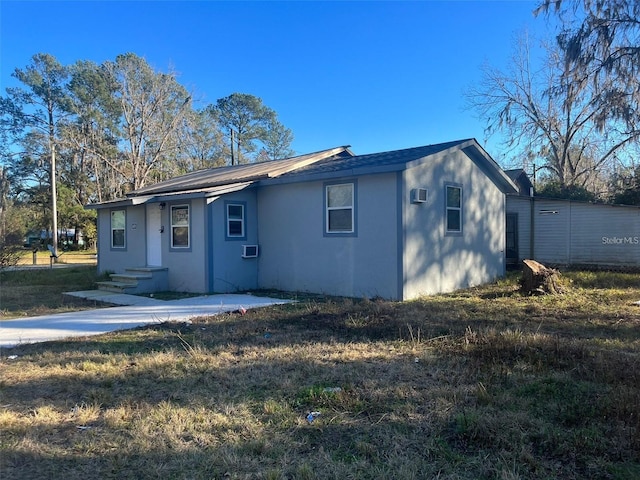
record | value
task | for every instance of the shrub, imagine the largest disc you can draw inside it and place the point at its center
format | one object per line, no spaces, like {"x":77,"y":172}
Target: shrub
{"x":9,"y":255}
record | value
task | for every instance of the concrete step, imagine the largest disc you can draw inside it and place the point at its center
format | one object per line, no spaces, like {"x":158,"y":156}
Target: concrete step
{"x":117,"y":287}
{"x":136,"y":280}
{"x":146,"y":269}
{"x":130,"y":277}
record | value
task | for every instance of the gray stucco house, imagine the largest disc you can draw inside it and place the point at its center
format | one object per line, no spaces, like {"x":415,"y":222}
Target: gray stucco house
{"x":396,"y":225}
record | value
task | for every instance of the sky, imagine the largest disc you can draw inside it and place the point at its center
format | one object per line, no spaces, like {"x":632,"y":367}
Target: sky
{"x":377,"y":76}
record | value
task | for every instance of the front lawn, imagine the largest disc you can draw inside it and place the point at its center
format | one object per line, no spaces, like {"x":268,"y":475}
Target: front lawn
{"x":38,"y":291}
{"x":482,"y":383}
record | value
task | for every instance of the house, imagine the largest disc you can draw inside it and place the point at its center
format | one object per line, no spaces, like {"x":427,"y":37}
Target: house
{"x":66,"y":236}
{"x":395,"y":225}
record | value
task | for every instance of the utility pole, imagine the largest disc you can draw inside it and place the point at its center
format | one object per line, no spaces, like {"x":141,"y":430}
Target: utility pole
{"x":235,"y":141}
{"x":534,"y":174}
{"x":231,"y":129}
{"x":54,"y":201}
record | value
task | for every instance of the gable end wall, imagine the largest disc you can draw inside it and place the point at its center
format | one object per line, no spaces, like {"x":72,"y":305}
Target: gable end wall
{"x":435,"y":261}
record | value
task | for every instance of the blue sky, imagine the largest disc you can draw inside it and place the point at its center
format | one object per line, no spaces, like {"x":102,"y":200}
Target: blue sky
{"x":374,"y":75}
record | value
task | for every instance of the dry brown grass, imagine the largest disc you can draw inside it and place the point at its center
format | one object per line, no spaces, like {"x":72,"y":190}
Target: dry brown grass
{"x":483,"y":383}
{"x":83,"y":257}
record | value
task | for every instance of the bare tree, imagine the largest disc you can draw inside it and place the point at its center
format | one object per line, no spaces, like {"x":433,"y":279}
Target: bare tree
{"x":153,"y":106}
{"x":103,"y":130}
{"x":91,"y":137}
{"x":601,"y":43}
{"x":548,"y":116}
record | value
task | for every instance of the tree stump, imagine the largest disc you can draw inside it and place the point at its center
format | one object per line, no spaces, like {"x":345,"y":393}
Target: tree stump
{"x":540,"y":280}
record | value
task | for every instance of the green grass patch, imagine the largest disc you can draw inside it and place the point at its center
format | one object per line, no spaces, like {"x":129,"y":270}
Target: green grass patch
{"x":40,"y":291}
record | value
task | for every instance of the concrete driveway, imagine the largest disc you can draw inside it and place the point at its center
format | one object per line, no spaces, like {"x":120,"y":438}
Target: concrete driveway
{"x":134,"y":311}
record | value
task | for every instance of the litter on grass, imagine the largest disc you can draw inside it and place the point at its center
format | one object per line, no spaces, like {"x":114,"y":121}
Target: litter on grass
{"x":311,"y":416}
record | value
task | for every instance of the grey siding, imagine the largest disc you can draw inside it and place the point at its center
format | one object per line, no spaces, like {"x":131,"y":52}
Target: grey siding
{"x":522,"y":207}
{"x":435,"y":261}
{"x":577,"y":233}
{"x":212,"y":263}
{"x":228,"y":271}
{"x":116,"y":260}
{"x":552,"y":231}
{"x":296,"y":255}
{"x":187,"y":269}
{"x":604,"y":234}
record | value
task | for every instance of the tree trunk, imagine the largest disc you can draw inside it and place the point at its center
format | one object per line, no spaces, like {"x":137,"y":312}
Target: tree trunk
{"x":538,"y":279}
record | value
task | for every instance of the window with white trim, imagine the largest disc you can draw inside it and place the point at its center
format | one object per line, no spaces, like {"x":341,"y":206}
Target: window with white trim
{"x":118,"y":228}
{"x":339,"y":208}
{"x":454,"y":209}
{"x":235,"y":220}
{"x":180,"y":234}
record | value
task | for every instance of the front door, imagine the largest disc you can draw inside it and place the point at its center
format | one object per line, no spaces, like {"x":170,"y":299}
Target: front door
{"x":154,"y":235}
{"x":512,"y":239}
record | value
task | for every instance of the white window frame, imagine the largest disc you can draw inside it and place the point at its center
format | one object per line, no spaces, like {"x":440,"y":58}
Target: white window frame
{"x":187,"y":226}
{"x":124,"y":229}
{"x":350,"y":207}
{"x":243,"y":232}
{"x":449,"y":208}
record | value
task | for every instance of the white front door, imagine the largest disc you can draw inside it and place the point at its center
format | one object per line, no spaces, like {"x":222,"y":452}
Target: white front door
{"x":154,"y":235}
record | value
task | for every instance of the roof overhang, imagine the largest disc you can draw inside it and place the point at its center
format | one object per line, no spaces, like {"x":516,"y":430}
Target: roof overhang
{"x":212,"y":192}
{"x":118,"y":203}
{"x":489,"y":166}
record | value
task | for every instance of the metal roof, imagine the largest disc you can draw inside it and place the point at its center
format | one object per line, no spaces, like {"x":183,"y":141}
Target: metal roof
{"x":397,"y":160}
{"x":393,"y":159}
{"x":212,"y":177}
{"x":339,"y":161}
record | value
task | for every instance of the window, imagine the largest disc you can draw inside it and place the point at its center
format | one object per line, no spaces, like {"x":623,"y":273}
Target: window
{"x":454,"y":209}
{"x":235,"y":221}
{"x":180,"y":226}
{"x":339,"y":202}
{"x":118,"y":224}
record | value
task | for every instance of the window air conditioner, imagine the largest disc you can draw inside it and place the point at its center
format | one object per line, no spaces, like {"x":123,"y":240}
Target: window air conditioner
{"x":249,"y":251}
{"x":419,"y":195}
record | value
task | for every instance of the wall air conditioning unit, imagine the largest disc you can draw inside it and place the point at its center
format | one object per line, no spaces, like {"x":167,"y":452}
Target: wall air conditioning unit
{"x":419,"y":195}
{"x":249,"y":251}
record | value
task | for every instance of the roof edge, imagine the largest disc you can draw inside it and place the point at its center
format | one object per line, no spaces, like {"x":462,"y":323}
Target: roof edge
{"x":311,"y":159}
{"x":231,"y":174}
